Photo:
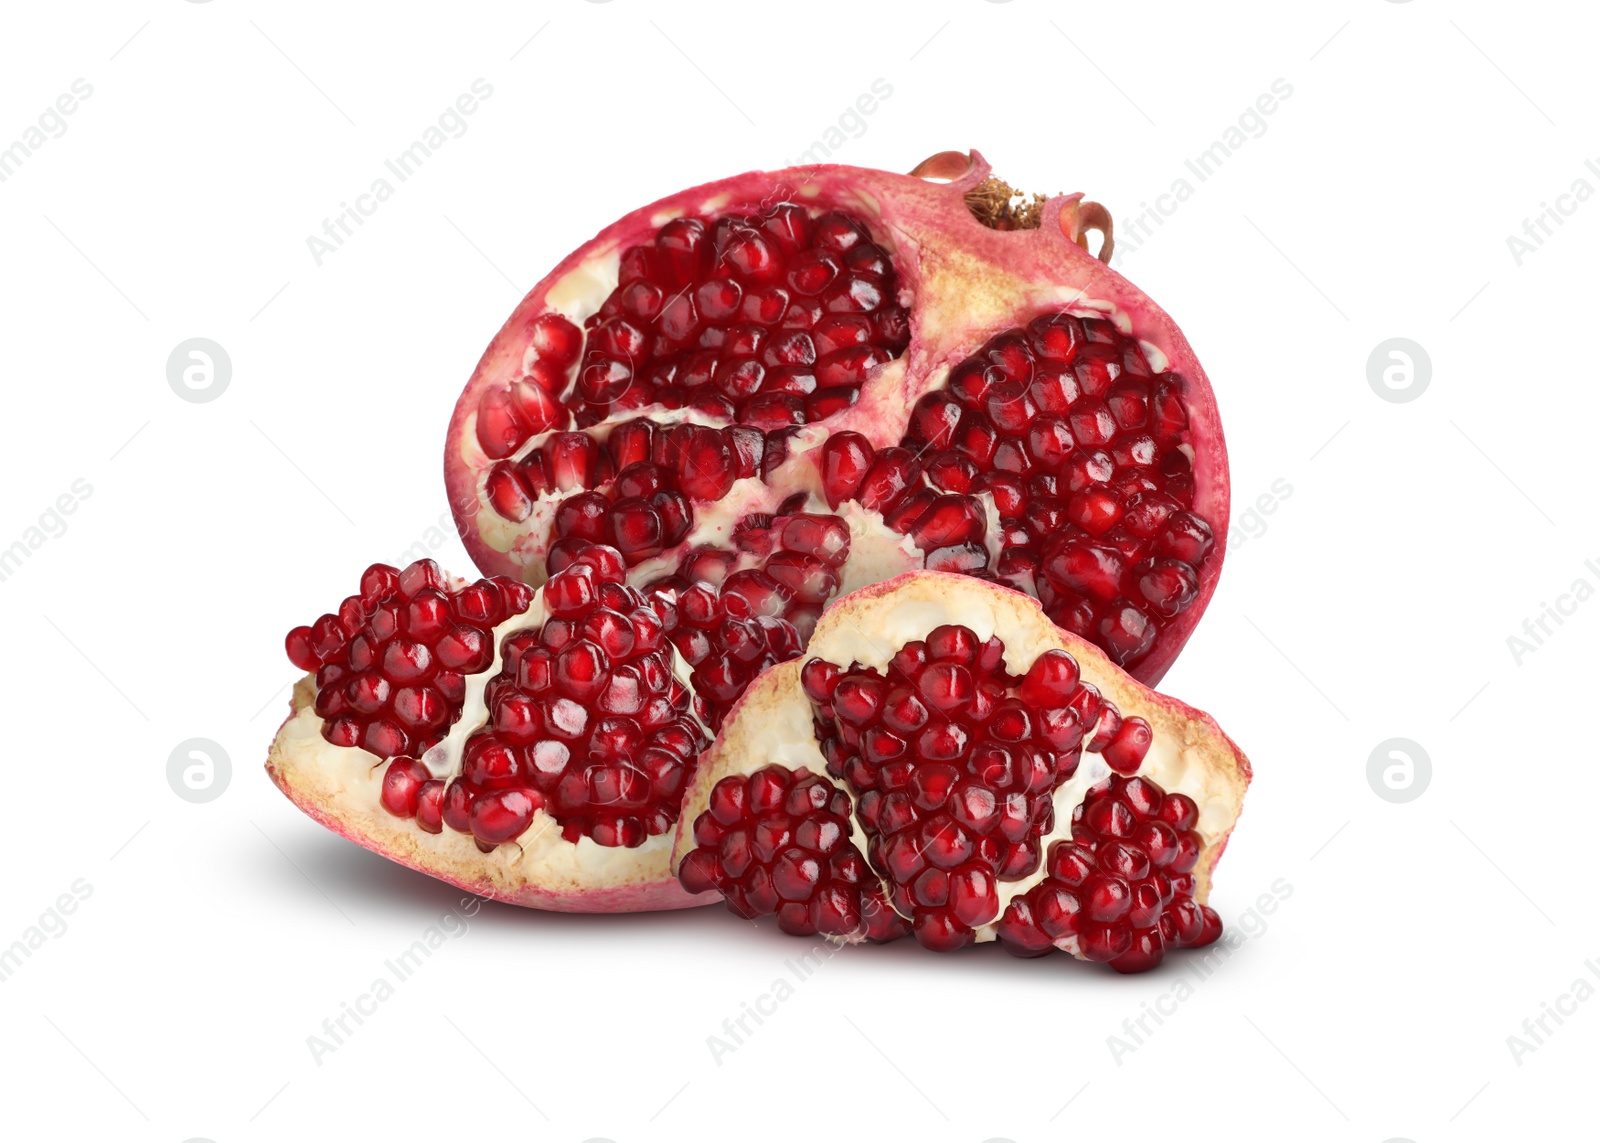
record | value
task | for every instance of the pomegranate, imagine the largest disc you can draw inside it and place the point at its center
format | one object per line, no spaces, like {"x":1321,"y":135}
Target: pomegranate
{"x":944,"y":368}
{"x":534,"y":745}
{"x":945,"y":762}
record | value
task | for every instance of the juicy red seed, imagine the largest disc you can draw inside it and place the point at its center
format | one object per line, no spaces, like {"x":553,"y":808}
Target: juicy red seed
{"x":949,"y":519}
{"x":891,"y":473}
{"x":502,"y":815}
{"x":1187,"y":537}
{"x":510,"y":413}
{"x":508,"y":494}
{"x":1096,"y":510}
{"x":402,"y":786}
{"x":301,"y":653}
{"x":846,"y":459}
{"x":571,"y":592}
{"x":825,"y":537}
{"x":1052,"y":680}
{"x":1125,"y":632}
{"x":934,"y":420}
{"x":1079,"y":564}
{"x":556,"y":340}
{"x":705,"y":461}
{"x":430,"y":806}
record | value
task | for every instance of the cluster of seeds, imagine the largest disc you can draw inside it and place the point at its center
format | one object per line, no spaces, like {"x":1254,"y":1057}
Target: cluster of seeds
{"x":510,"y":413}
{"x":953,"y":761}
{"x":1122,"y":890}
{"x":392,"y":663}
{"x":769,"y":320}
{"x":786,"y":567}
{"x":778,"y":842}
{"x":636,"y":489}
{"x":1082,"y":448}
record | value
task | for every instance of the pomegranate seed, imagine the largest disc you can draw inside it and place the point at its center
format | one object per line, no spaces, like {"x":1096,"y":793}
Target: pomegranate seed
{"x":503,"y":427}
{"x":555,"y":339}
{"x":430,"y":807}
{"x":949,"y":519}
{"x":1125,"y":632}
{"x":502,"y":815}
{"x":402,"y":786}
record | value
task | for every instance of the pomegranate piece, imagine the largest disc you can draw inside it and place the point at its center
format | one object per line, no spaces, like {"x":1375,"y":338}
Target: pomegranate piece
{"x":1043,"y":798}
{"x":537,"y":722}
{"x":808,"y":333}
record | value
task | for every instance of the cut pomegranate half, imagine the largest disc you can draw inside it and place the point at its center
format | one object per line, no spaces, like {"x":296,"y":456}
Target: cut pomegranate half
{"x":945,"y":761}
{"x":958,"y":378}
{"x":530,"y":746}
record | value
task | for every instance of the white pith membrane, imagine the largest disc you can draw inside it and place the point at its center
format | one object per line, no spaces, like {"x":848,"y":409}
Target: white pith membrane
{"x":341,"y":787}
{"x":772,"y":723}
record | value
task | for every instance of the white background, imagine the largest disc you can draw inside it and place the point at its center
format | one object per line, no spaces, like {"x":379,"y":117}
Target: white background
{"x":1374,"y":602}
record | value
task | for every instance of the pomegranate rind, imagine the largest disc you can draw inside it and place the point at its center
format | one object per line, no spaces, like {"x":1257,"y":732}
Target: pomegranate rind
{"x":966,"y":281}
{"x":338,"y":787}
{"x":1189,"y":754}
